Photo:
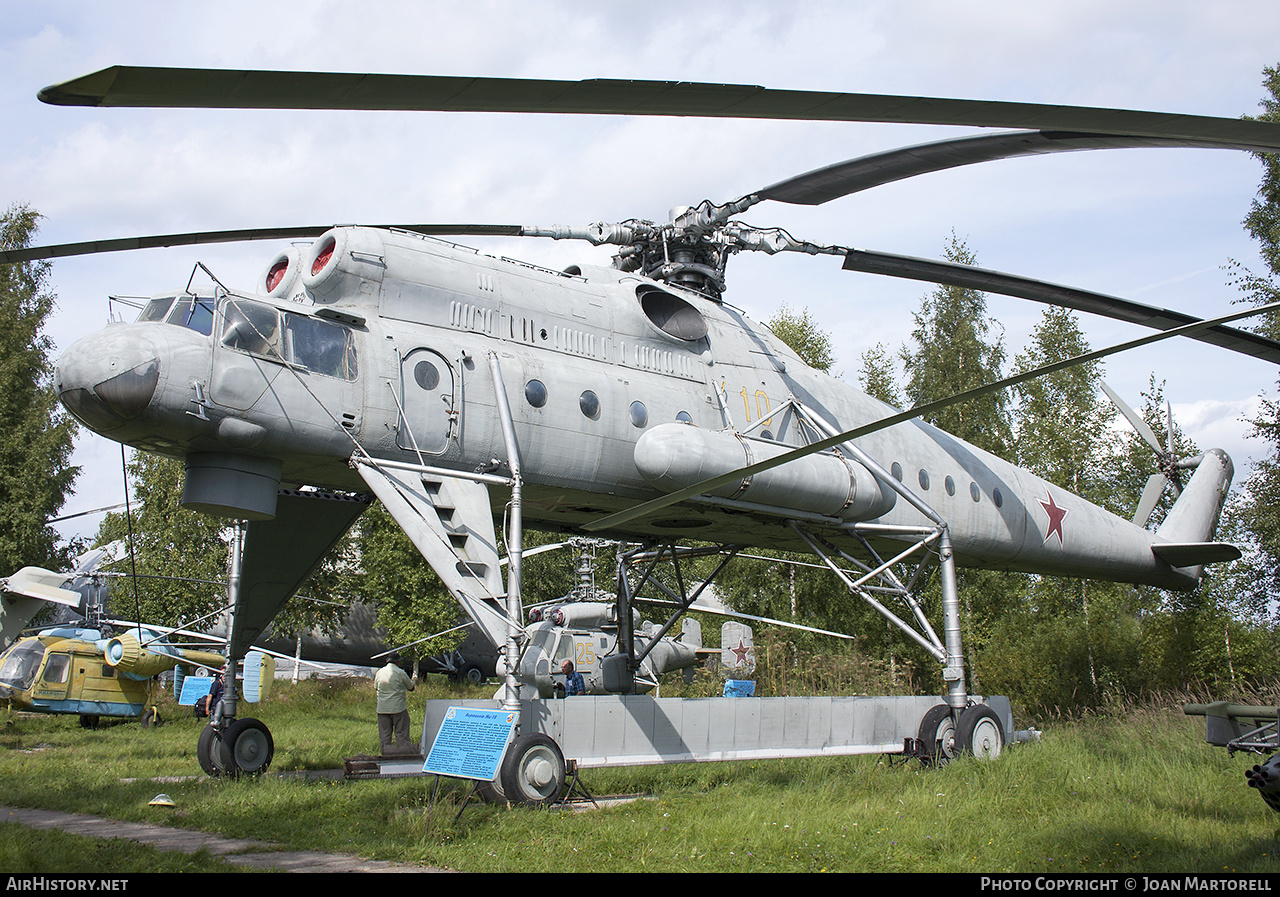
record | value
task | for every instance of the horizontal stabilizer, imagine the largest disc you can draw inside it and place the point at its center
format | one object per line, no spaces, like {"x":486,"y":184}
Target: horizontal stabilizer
{"x":1194,"y":554}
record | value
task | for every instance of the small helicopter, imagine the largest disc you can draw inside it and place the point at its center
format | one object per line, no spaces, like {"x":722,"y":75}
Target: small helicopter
{"x":630,"y":402}
{"x":90,"y":674}
{"x":97,"y":667}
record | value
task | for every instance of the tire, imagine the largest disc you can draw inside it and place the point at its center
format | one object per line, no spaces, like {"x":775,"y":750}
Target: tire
{"x":151,"y":717}
{"x":936,"y":743}
{"x":246,"y":748}
{"x":207,"y":749}
{"x":979,"y":732}
{"x":473,"y":675}
{"x":533,"y":772}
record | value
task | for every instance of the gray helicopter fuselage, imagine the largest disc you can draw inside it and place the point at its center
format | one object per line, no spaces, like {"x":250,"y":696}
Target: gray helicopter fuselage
{"x":620,"y":388}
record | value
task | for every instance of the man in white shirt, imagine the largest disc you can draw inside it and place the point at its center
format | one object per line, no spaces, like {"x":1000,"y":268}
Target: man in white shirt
{"x":392,"y":684}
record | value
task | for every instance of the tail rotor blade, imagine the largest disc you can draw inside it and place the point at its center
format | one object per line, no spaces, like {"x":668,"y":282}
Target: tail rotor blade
{"x":1151,"y":494}
{"x":1135,"y":419}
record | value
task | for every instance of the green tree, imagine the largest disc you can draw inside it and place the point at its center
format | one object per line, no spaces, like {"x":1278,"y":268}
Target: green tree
{"x":180,"y":556}
{"x":35,"y":476}
{"x":1263,"y":220}
{"x":1258,"y":506}
{"x":877,"y":376}
{"x":801,"y":332}
{"x":957,"y":346}
{"x":1061,"y":420}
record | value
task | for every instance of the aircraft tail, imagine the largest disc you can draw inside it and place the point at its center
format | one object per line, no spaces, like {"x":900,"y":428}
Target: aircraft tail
{"x":1185,"y":539}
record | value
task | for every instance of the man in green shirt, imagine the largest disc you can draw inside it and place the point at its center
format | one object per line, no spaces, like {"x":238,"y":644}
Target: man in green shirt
{"x":391,"y":684}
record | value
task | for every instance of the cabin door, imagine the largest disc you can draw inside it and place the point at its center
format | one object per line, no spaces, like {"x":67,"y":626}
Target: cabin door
{"x":427,"y":407}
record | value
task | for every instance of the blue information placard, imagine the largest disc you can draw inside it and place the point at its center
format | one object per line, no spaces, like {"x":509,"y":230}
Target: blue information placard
{"x":470,"y":743}
{"x":194,"y":688}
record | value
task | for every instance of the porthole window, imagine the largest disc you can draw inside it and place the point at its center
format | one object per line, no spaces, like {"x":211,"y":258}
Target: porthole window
{"x":426,"y":375}
{"x":951,"y":485}
{"x":974,"y":492}
{"x":589,"y":402}
{"x":535,"y":393}
{"x":684,"y":417}
{"x":896,"y":471}
{"x":997,"y":498}
{"x":639,"y":414}
{"x":924,"y":479}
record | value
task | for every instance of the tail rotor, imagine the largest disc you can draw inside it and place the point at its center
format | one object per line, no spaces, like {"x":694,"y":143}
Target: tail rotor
{"x":1168,"y":466}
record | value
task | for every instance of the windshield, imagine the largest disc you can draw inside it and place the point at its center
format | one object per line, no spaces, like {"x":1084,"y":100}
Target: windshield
{"x":20,"y":663}
{"x":193,"y":312}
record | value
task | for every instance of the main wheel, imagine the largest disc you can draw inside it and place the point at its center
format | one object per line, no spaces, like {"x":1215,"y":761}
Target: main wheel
{"x":208,"y":749}
{"x":980,"y":732}
{"x":936,"y":743}
{"x":247,"y":747}
{"x":533,"y":771}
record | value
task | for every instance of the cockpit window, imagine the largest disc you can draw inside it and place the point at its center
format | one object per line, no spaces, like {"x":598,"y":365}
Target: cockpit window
{"x":251,"y":327}
{"x":321,"y":346}
{"x":156,"y":309}
{"x":20,"y":664}
{"x":193,"y":313}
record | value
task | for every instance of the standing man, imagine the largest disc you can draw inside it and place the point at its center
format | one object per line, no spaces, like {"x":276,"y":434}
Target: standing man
{"x":392,"y":685}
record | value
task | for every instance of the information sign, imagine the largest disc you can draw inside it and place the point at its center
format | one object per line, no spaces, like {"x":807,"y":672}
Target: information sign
{"x":194,"y":688}
{"x":470,"y":743}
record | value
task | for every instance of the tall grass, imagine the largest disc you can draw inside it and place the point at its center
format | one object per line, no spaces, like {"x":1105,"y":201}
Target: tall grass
{"x":1130,"y":789}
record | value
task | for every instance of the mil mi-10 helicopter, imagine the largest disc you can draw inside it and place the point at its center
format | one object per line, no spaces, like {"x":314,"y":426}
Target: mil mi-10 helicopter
{"x":630,"y":402}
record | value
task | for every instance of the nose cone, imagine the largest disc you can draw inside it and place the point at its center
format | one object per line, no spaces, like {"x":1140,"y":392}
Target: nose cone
{"x":108,"y":378}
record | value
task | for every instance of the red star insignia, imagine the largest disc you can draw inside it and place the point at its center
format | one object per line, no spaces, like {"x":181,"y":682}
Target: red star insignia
{"x":1056,"y":514}
{"x":740,"y":651}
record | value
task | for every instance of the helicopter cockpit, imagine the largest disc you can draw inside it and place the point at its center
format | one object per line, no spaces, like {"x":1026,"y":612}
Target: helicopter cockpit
{"x":20,"y":664}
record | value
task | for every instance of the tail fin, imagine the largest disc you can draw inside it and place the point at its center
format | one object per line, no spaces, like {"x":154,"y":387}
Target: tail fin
{"x":1185,"y":539}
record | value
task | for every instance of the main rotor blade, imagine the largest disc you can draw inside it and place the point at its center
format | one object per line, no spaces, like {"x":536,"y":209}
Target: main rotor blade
{"x":615,"y":520}
{"x":124,"y":244}
{"x":950,"y":273}
{"x":246,"y":89}
{"x":834,"y":181}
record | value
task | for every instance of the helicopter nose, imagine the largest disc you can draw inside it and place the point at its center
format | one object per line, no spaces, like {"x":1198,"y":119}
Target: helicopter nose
{"x":108,"y":378}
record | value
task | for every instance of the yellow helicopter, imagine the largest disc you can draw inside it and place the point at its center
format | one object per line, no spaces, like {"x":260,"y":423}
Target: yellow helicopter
{"x":78,"y":670}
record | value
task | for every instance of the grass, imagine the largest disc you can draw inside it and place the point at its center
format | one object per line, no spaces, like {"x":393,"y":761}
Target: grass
{"x":1131,"y":791}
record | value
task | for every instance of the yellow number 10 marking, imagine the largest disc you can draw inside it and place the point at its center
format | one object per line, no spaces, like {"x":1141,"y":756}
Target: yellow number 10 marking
{"x":761,"y":399}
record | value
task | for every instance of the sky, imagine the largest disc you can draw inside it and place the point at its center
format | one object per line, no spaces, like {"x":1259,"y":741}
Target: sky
{"x":1158,"y":226}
